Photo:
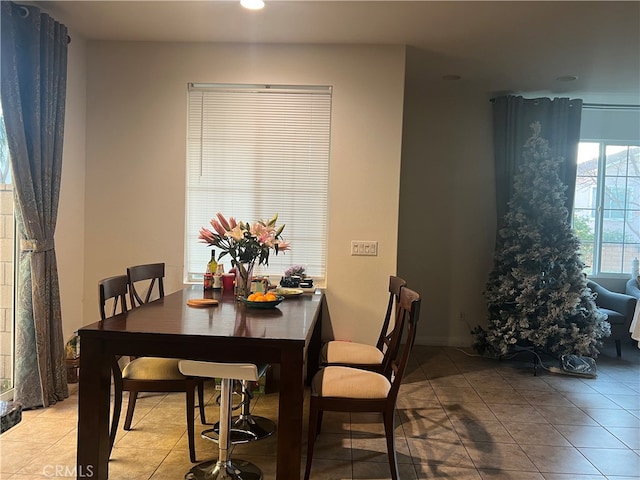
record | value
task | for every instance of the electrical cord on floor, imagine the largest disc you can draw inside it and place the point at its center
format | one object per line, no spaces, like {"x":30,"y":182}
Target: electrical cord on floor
{"x":504,"y":357}
{"x":509,"y":357}
{"x":583,"y":370}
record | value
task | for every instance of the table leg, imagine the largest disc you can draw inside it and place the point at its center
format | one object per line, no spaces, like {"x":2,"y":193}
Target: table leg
{"x":313,"y":351}
{"x":93,"y":411}
{"x":290,"y":412}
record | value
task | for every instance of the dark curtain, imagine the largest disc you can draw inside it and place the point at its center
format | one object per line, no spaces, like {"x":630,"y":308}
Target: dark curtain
{"x":33,"y":91}
{"x":512,"y":119}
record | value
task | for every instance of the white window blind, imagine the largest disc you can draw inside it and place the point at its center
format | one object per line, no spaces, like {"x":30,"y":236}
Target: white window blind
{"x":253,"y":151}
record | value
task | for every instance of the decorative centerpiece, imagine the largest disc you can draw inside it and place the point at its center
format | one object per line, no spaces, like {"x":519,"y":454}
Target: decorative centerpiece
{"x":295,"y":277}
{"x":246,"y":244}
{"x":292,"y":276}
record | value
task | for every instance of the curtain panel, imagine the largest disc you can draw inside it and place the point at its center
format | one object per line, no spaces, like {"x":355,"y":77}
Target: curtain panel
{"x":512,"y":119}
{"x":33,"y":90}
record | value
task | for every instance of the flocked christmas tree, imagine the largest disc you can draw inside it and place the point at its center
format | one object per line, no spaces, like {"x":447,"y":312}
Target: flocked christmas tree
{"x":537,"y":294}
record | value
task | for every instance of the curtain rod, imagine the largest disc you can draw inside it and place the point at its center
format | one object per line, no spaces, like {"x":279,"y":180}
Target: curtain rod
{"x":610,"y":106}
{"x":597,"y":106}
{"x":25,"y":12}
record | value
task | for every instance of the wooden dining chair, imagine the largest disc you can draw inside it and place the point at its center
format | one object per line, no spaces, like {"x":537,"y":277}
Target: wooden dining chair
{"x":114,"y":290}
{"x":376,"y":357}
{"x":150,"y":279}
{"x":147,"y":374}
{"x":348,"y":389}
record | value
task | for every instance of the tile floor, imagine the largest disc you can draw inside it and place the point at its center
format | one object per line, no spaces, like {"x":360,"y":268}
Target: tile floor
{"x":459,"y":417}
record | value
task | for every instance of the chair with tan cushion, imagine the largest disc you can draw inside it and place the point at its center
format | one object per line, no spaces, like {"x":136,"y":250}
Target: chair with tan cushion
{"x":370,"y":357}
{"x":347,"y":389}
{"x":146,"y":374}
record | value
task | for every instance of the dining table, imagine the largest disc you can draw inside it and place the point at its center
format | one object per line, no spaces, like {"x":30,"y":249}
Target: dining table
{"x":229,"y":331}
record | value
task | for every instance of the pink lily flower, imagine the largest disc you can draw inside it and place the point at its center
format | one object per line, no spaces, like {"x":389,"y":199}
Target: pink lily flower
{"x":283,"y":246}
{"x":218,"y":228}
{"x":223,"y":221}
{"x":207,"y":235}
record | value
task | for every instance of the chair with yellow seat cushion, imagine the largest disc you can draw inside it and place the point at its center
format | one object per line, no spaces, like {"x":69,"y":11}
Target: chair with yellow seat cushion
{"x":347,"y":389}
{"x":146,"y":374}
{"x":370,"y":357}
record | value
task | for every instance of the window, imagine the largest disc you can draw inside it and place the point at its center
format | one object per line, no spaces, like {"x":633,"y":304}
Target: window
{"x":7,"y":256}
{"x":606,"y":214}
{"x":253,"y":151}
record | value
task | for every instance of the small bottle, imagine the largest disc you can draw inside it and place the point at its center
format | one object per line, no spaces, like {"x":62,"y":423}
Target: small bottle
{"x":217,"y":277}
{"x":635,"y":268}
{"x":212,"y":266}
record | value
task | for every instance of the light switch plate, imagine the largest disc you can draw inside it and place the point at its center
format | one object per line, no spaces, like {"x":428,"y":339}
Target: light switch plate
{"x":364,"y":248}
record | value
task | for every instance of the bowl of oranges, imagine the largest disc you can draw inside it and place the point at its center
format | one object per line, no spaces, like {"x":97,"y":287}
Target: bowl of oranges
{"x":263,"y":300}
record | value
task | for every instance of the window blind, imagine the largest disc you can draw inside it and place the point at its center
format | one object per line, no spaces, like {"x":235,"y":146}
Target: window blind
{"x":254,"y":151}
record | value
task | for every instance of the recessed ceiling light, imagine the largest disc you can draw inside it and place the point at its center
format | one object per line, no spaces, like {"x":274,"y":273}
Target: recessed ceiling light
{"x":451,"y":77}
{"x":252,"y":4}
{"x":567,"y":78}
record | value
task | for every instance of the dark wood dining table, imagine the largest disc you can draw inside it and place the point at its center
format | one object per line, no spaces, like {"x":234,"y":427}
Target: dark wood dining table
{"x":288,"y":335}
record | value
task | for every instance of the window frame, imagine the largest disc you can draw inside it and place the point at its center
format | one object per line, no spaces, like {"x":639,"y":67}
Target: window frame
{"x":601,"y":215}
{"x":301,"y":157}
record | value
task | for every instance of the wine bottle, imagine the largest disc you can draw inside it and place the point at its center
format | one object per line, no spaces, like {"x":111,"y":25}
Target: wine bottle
{"x":212,"y":266}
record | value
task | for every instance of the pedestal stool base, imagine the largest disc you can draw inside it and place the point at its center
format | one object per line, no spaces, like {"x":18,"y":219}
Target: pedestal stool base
{"x":217,"y":470}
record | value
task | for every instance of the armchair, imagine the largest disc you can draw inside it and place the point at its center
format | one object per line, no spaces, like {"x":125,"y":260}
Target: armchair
{"x":633,"y":287}
{"x":619,"y":308}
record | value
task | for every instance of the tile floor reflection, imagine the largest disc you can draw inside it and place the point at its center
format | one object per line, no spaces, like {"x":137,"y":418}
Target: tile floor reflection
{"x":459,"y":417}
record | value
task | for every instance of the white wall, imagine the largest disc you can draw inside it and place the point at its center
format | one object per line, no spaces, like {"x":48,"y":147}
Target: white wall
{"x":135,"y":140}
{"x":69,"y":236}
{"x":135,"y":165}
{"x":447,"y":206}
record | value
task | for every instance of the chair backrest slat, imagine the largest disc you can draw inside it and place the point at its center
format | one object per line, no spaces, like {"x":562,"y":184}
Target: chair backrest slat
{"x":154,"y":274}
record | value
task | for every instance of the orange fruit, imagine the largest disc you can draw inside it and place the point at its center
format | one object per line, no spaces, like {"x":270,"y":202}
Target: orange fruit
{"x":270,"y":297}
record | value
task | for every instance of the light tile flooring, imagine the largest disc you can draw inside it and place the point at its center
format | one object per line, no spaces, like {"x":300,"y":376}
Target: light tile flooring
{"x":459,"y":417}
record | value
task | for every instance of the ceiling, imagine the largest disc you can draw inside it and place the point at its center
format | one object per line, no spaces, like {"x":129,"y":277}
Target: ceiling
{"x":514,"y":47}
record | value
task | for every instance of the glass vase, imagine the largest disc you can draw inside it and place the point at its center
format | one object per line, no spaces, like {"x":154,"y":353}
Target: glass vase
{"x":244,"y":274}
